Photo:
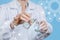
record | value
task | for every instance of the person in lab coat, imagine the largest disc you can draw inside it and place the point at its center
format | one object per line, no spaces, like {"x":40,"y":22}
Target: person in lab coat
{"x":23,"y":20}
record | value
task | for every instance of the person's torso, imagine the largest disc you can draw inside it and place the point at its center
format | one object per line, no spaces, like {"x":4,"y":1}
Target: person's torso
{"x":12,"y":9}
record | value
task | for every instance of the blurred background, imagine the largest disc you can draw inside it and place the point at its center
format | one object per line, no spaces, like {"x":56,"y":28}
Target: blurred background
{"x":52,"y":11}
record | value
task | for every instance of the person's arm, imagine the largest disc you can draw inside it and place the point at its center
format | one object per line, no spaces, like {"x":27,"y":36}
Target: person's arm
{"x":45,"y":27}
{"x":4,"y":24}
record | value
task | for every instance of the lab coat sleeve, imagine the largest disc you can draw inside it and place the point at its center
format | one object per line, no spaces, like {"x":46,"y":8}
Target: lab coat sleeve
{"x":42,"y":17}
{"x":5,"y":31}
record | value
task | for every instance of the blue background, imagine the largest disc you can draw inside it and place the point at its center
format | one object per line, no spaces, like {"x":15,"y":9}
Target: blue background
{"x":52,"y":10}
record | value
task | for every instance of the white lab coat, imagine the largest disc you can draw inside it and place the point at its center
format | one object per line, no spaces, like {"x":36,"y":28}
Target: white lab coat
{"x":7,"y":14}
